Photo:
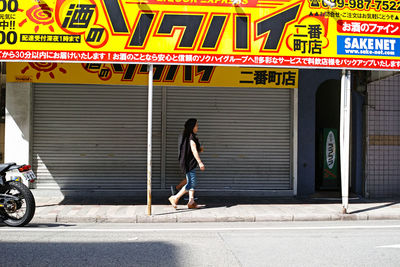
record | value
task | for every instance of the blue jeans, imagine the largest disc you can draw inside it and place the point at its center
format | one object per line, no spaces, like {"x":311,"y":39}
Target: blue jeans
{"x":191,"y":180}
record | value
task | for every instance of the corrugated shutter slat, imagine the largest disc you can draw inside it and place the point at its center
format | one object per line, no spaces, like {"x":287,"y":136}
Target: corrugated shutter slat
{"x":94,"y":137}
{"x":246,"y":133}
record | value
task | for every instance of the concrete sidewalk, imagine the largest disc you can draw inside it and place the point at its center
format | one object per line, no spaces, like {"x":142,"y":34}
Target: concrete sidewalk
{"x":222,"y":209}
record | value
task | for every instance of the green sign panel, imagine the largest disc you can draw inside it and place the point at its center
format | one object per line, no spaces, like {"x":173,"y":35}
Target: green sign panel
{"x":330,"y":157}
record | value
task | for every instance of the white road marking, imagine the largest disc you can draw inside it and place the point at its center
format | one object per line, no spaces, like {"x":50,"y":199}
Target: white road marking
{"x":180,"y":228}
{"x":390,"y":246}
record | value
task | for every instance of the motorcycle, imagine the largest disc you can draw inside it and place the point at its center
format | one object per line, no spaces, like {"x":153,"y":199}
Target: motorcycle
{"x":17,"y":204}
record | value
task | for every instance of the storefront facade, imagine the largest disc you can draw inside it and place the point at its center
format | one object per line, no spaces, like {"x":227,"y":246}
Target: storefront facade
{"x":77,"y":135}
{"x":92,"y":137}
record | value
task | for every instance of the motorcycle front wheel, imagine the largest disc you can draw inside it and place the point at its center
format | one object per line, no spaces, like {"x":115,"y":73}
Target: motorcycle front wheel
{"x":18,"y":212}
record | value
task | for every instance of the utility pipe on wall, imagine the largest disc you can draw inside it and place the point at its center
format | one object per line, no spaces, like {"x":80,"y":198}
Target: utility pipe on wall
{"x":345,"y":109}
{"x":149,"y":137}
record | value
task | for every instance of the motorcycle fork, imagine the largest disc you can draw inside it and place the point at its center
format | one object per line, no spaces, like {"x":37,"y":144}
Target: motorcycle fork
{"x":2,"y":180}
{"x":2,"y":199}
{"x":2,"y":183}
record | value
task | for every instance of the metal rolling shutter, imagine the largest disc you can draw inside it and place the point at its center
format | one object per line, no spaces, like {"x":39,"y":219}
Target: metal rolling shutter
{"x":246,"y":133}
{"x":382,"y":169}
{"x":88,"y":137}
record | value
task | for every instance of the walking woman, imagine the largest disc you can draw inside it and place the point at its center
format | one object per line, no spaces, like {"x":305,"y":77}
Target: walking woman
{"x":189,"y":159}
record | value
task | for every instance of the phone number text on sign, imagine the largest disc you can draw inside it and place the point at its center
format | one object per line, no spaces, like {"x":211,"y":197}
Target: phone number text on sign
{"x":361,"y":5}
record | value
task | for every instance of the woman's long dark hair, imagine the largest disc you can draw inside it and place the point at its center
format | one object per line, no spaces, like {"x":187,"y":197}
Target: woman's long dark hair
{"x":184,"y":147}
{"x":189,"y":125}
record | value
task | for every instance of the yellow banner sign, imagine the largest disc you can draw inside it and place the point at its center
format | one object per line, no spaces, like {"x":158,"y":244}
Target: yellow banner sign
{"x":358,"y":34}
{"x":164,"y":75}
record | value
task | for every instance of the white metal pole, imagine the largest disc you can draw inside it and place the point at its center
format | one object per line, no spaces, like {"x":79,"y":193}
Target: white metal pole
{"x":345,"y":109}
{"x":149,"y":136}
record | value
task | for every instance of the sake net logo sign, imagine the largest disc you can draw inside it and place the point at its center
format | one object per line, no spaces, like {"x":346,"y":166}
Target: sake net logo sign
{"x":357,"y":34}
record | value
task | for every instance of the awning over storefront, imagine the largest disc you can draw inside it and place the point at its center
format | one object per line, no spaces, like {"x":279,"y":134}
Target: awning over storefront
{"x":294,"y":33}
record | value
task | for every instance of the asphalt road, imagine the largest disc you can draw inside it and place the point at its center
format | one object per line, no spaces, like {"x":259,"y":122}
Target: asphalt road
{"x":340,"y":243}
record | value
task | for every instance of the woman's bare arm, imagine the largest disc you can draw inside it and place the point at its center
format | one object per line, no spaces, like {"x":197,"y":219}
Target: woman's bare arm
{"x":196,"y":154}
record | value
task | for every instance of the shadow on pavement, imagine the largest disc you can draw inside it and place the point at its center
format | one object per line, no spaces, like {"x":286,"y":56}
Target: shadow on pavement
{"x":48,"y":225}
{"x":41,"y":225}
{"x":67,"y":253}
{"x":210,"y":201}
{"x":375,"y":208}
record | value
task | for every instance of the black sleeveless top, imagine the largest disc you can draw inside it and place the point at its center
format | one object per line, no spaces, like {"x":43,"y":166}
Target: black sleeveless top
{"x":187,"y":160}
